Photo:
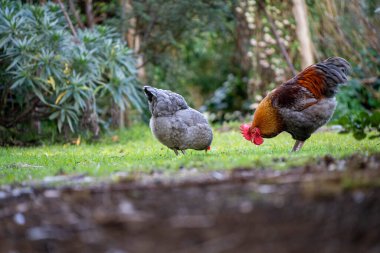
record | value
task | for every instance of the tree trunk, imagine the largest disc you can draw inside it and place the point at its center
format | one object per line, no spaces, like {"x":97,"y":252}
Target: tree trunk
{"x":277,"y":37}
{"x":243,"y":35}
{"x":90,"y":120}
{"x":76,"y":14}
{"x":116,"y":116}
{"x":303,"y":33}
{"x":134,"y":40}
{"x":89,"y":14}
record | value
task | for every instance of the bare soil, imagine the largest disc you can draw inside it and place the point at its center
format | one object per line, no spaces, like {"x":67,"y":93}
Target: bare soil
{"x":328,"y":206}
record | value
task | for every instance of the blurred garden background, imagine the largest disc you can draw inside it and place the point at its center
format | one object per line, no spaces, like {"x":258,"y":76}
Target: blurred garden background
{"x":80,"y":170}
{"x":72,"y":68}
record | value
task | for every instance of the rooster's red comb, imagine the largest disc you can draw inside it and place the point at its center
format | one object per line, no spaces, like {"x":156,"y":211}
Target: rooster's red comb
{"x":244,"y":129}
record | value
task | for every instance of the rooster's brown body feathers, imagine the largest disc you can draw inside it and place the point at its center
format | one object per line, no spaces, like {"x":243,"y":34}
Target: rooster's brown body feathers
{"x":304,"y":103}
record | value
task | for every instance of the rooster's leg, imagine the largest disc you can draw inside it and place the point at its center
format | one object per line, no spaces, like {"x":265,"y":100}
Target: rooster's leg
{"x":297,"y":146}
{"x":183,"y":152}
{"x":175,"y":151}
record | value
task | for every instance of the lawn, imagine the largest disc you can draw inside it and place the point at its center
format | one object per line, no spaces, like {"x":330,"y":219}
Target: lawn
{"x":136,"y":150}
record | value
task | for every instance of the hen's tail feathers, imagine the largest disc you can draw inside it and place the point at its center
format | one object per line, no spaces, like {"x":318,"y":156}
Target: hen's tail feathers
{"x":323,"y":78}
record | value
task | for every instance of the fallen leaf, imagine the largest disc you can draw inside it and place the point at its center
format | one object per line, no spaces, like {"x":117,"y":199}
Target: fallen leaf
{"x":115,"y":138}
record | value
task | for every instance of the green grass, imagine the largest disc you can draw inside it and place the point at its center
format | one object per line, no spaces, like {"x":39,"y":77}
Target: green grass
{"x":137,"y":150}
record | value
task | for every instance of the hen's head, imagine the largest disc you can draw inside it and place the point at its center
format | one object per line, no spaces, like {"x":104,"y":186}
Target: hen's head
{"x":151,"y":94}
{"x":163,"y":102}
{"x":251,"y":134}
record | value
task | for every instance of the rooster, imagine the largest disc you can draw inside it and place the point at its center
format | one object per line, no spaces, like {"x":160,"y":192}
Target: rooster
{"x":175,"y":124}
{"x":299,"y":106}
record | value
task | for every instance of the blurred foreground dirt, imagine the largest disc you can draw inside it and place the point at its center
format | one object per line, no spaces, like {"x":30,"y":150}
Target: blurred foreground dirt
{"x":329,"y":206}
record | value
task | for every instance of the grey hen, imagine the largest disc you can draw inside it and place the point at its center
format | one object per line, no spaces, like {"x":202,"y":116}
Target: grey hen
{"x":175,"y":124}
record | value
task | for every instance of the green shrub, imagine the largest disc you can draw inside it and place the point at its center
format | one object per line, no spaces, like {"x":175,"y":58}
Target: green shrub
{"x":48,"y":75}
{"x":358,"y":109}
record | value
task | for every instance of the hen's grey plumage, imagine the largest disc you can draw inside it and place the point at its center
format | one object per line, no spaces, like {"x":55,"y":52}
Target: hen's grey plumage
{"x":175,"y":124}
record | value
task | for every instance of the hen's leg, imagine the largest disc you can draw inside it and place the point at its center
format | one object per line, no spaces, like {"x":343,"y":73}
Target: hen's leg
{"x":175,"y":151}
{"x":297,"y":146}
{"x":183,"y":152}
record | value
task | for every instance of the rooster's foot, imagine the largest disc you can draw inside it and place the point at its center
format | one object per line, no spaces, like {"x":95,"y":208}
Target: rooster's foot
{"x":297,"y":146}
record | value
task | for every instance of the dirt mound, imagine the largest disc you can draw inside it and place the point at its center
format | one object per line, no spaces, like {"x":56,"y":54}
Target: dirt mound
{"x":330,"y":206}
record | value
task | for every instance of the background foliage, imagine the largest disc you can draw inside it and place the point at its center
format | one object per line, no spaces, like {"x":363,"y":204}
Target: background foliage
{"x":50,"y":76}
{"x":221,"y":55}
{"x":351,"y":29}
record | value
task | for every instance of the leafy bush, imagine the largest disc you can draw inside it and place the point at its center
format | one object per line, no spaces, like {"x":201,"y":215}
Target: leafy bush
{"x":358,"y":109}
{"x":47,"y":74}
{"x":226,"y":102}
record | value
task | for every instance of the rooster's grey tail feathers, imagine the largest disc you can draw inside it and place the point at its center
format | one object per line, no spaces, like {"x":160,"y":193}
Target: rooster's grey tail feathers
{"x":335,"y":71}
